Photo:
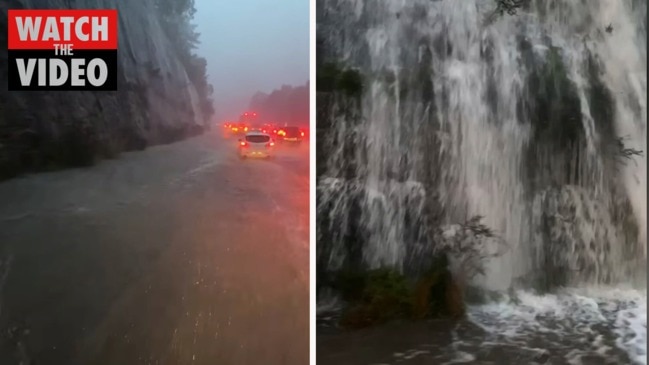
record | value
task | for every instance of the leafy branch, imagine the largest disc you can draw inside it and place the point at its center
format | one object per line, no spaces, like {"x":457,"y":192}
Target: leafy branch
{"x":503,"y":7}
{"x":623,"y":153}
{"x":508,"y":6}
{"x":472,"y":243}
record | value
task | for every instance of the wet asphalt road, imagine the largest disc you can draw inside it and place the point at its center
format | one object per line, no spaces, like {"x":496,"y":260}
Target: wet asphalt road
{"x":179,"y":254}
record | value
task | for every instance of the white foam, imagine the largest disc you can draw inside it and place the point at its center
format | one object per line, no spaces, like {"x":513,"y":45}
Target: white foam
{"x":586,"y":316}
{"x":631,"y":327}
{"x":461,"y":357}
{"x":328,"y":302}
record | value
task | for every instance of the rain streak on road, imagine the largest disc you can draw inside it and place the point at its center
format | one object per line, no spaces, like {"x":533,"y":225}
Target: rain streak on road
{"x":179,"y":254}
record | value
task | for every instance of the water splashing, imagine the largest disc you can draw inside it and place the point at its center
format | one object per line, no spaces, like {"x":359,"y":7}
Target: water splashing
{"x":514,"y":118}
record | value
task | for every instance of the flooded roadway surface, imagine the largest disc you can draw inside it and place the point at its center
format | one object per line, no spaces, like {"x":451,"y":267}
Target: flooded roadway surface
{"x":606,"y":326}
{"x":179,"y":254}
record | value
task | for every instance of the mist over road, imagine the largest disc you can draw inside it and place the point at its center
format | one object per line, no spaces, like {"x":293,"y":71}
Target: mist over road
{"x":179,"y":254}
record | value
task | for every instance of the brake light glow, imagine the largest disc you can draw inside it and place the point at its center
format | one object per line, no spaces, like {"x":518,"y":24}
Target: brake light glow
{"x":245,"y":129}
{"x":302,"y":134}
{"x":243,"y":144}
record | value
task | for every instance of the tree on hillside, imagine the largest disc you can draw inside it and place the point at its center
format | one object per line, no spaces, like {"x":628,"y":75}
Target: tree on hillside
{"x":176,"y":17}
{"x":286,"y":105}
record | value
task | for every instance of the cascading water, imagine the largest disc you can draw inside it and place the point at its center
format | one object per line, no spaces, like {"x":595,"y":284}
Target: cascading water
{"x":531,"y":120}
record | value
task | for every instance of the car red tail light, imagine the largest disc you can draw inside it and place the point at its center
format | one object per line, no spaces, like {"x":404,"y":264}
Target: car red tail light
{"x":302,"y":134}
{"x":243,"y":144}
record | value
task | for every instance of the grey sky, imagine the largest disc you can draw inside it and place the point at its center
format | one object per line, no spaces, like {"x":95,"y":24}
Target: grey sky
{"x":252,"y":45}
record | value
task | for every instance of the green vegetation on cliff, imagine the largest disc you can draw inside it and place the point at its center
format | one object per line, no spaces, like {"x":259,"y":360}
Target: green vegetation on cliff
{"x":375,"y":296}
{"x":176,"y":17}
{"x":332,"y":77}
{"x":381,"y":295}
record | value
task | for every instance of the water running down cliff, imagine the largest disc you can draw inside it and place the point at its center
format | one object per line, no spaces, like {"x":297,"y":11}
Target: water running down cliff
{"x":515,"y":118}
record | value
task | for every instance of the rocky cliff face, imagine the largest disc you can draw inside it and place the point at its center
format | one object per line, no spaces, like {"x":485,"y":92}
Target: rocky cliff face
{"x":535,"y":121}
{"x":155,"y":103}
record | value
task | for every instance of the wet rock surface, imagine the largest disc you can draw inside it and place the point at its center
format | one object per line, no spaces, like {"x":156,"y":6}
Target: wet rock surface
{"x":155,"y":103}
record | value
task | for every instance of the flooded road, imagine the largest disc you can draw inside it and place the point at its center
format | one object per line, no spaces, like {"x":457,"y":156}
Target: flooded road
{"x":179,"y":254}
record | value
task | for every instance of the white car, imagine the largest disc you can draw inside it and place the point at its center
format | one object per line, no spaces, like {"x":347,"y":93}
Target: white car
{"x":256,"y":144}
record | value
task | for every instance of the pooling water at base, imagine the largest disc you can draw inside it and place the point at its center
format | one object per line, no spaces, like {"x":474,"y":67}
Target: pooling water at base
{"x":571,"y":327}
{"x":574,"y":324}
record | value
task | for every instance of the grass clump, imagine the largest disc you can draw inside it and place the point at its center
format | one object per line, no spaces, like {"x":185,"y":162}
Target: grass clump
{"x":437,"y":293}
{"x":380,"y":295}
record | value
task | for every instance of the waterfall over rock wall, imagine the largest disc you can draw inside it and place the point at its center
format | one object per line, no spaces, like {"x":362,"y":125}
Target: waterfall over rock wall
{"x":529,"y":120}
